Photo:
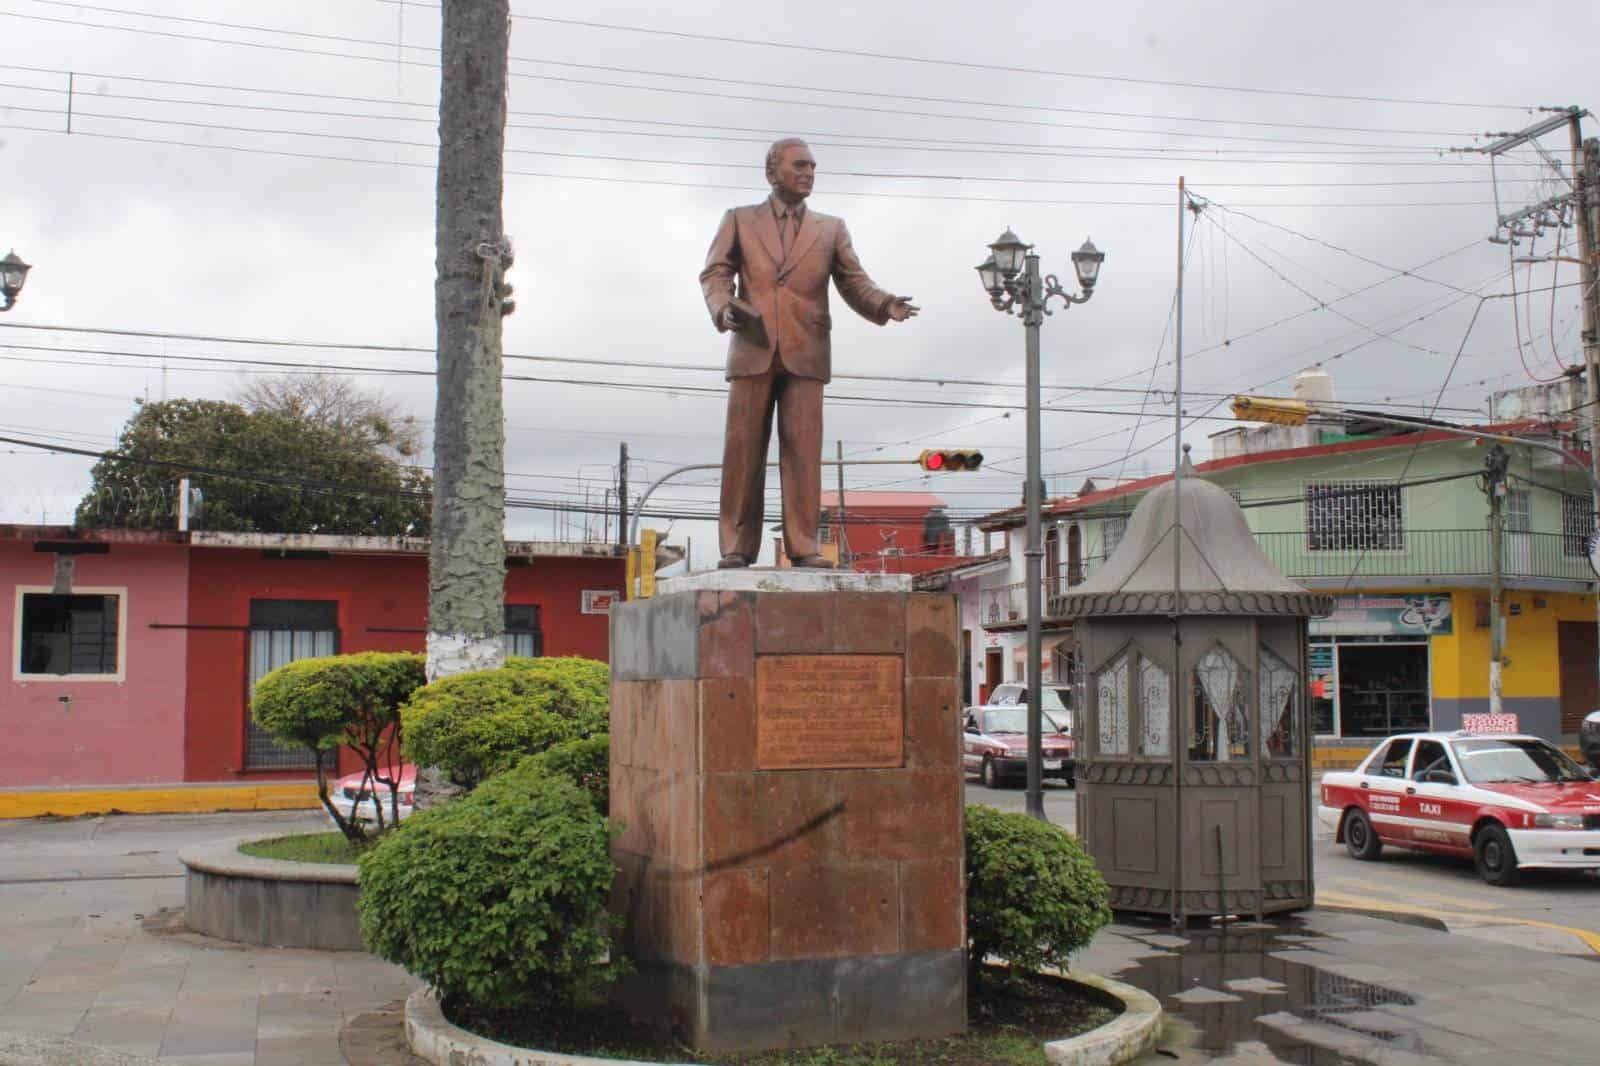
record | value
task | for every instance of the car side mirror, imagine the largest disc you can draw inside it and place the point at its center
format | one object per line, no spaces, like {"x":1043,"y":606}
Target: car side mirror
{"x":1439,"y":777}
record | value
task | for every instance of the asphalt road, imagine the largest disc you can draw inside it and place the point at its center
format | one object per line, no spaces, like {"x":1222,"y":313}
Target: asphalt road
{"x":1556,"y":911}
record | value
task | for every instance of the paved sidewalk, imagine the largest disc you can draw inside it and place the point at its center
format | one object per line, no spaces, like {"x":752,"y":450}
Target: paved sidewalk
{"x":1335,"y":988}
{"x":89,"y":954}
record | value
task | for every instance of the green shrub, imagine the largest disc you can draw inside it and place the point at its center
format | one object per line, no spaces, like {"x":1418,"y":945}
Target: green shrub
{"x":472,"y":726}
{"x":586,"y":763}
{"x":342,"y":700}
{"x":497,"y":899}
{"x":1033,"y":895}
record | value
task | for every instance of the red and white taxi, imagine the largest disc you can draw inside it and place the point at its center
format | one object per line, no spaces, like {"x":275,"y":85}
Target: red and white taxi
{"x":361,"y":800}
{"x":1508,"y":801}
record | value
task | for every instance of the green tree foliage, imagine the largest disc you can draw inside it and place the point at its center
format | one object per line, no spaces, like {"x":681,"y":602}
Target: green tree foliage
{"x":586,"y":763}
{"x":497,"y":899}
{"x":1033,"y":894}
{"x":225,"y":436}
{"x":343,"y":700}
{"x":472,"y":726}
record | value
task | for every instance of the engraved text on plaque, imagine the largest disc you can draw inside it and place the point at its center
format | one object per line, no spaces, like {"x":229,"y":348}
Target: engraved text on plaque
{"x":829,"y":711}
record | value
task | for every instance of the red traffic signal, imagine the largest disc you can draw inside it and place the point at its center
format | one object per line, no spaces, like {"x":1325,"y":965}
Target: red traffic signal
{"x":950,"y":460}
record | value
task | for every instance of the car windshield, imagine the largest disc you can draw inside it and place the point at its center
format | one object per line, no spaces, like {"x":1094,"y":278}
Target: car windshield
{"x":1529,"y":761}
{"x":1051,"y":699}
{"x":1014,"y":720}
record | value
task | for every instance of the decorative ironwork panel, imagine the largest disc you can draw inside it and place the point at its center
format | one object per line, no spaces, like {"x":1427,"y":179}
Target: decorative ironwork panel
{"x":1280,"y":708}
{"x":1111,"y":713}
{"x":1155,"y":709}
{"x":1220,"y":724}
{"x":1282,"y":772}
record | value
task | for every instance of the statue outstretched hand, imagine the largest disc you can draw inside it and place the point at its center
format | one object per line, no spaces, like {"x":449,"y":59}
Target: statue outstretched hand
{"x":901,"y":308}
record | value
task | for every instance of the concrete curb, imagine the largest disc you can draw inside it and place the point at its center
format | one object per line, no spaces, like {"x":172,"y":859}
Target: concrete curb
{"x":1124,"y":1038}
{"x":1133,"y":1032}
{"x":270,"y":902}
{"x":199,"y":798}
{"x":226,"y":860}
{"x":431,"y":1037}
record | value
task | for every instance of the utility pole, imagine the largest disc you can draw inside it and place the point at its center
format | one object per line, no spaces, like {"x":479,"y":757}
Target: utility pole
{"x":466,"y":564}
{"x":1494,"y":486}
{"x":1586,"y":199}
{"x":622,"y":497}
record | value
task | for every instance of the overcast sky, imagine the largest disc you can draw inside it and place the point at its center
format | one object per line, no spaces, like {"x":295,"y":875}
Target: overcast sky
{"x":632,"y":134}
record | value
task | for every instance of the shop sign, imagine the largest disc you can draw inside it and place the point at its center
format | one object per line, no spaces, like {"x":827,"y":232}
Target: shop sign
{"x":1320,"y":659}
{"x":1422,"y":616}
{"x":1490,"y":723}
{"x":599,"y":601}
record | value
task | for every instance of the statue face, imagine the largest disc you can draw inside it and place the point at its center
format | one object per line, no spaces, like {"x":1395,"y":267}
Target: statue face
{"x":794,"y":175}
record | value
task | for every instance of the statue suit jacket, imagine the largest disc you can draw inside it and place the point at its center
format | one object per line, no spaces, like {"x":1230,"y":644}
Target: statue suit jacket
{"x":791,"y":294}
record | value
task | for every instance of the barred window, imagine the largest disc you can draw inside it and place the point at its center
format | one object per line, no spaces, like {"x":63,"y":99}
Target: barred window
{"x":1111,"y":531}
{"x":282,"y":631}
{"x":1577,"y":522}
{"x":1353,"y":516}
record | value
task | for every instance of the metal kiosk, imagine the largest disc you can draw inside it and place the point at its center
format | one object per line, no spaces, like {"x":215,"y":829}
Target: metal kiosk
{"x":1194,"y":748}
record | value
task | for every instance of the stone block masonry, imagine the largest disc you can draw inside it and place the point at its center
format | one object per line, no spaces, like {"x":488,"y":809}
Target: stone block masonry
{"x":789,"y":878}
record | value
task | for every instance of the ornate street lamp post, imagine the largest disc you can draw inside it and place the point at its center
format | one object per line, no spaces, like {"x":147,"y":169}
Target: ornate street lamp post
{"x":13,"y":272}
{"x":1011,"y":278}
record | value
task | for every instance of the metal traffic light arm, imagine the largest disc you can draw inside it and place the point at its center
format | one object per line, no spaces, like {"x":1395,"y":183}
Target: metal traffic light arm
{"x":638,"y":511}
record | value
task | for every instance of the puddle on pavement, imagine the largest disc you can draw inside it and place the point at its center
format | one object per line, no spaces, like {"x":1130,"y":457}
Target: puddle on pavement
{"x":1222,"y":980}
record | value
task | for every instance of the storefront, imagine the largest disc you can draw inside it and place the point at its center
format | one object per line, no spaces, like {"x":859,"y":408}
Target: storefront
{"x":1371,"y":664}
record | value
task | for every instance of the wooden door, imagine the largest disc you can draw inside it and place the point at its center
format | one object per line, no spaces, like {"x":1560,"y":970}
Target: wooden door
{"x":1576,"y":651}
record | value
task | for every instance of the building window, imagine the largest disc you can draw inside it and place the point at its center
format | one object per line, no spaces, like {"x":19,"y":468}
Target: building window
{"x":1111,"y":531}
{"x":1577,"y":522}
{"x":77,"y":635}
{"x":1518,"y":511}
{"x":523,"y":635}
{"x":282,"y":631}
{"x":1353,"y":516}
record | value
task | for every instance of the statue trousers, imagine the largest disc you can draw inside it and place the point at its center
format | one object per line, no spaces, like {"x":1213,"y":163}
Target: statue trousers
{"x":752,"y":402}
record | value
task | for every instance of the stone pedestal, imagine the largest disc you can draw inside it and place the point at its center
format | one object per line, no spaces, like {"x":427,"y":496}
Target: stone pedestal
{"x":786,"y":762}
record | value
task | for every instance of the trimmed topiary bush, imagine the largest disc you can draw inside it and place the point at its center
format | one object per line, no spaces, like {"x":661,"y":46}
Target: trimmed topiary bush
{"x":472,"y":726}
{"x":586,"y":763}
{"x":497,"y":899}
{"x":1034,"y":895}
{"x":348,"y":700}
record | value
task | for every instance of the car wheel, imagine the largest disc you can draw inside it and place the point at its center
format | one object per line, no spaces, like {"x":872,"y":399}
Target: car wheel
{"x":1494,"y":856}
{"x":1359,"y":837}
{"x":989,"y":774}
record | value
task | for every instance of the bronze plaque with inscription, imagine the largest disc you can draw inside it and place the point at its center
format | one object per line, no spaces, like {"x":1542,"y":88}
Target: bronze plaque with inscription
{"x":829,"y":712}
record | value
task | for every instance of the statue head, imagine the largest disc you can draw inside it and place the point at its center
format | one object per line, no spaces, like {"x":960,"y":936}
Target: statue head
{"x":790,"y":169}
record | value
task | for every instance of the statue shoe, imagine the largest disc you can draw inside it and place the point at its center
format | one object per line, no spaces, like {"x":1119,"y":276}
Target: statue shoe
{"x":733,"y":561}
{"x":813,"y":562}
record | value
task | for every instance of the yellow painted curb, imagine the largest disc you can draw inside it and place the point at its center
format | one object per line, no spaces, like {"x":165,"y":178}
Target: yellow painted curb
{"x":159,"y":799}
{"x":1338,"y":900}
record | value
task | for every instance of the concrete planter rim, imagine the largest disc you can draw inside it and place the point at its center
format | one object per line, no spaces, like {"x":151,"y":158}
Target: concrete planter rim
{"x":225,"y":859}
{"x":434,"y":1038}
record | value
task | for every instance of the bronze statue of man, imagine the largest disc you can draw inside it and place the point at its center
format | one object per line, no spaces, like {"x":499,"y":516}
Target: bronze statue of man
{"x":781,"y":255}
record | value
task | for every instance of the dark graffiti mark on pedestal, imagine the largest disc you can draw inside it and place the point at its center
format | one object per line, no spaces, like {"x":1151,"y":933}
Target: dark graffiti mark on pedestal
{"x":829,"y":711}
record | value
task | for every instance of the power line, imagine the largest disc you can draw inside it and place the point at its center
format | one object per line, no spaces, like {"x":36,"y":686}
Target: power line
{"x":998,"y":67}
{"x":220,"y":24}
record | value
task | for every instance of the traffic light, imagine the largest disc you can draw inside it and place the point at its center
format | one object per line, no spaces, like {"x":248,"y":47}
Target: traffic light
{"x":950,"y":460}
{"x":1271,"y":409}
